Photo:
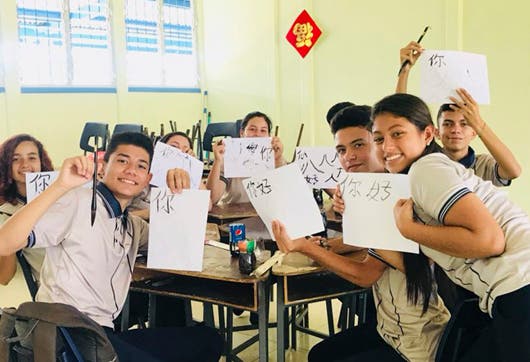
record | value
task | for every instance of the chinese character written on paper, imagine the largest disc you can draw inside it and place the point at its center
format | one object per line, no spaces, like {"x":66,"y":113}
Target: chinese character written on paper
{"x":163,"y":201}
{"x":437,"y":61}
{"x":304,"y":34}
{"x":374,"y":190}
{"x":259,"y":188}
{"x":40,"y":182}
{"x":319,"y":165}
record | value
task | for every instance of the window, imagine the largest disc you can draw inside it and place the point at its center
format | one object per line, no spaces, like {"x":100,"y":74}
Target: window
{"x":65,"y":45}
{"x":161,"y":51}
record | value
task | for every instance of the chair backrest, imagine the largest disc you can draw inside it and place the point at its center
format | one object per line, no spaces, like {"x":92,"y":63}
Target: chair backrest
{"x":28,"y":275}
{"x":92,"y":130}
{"x":220,"y":129}
{"x":127,"y":127}
{"x":467,"y":320}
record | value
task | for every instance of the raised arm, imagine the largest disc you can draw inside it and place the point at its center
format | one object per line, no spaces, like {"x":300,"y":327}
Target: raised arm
{"x":214,"y":183}
{"x":509,"y":168}
{"x":410,"y":52}
{"x":469,"y":230}
{"x":14,"y":232}
{"x":363,"y":273}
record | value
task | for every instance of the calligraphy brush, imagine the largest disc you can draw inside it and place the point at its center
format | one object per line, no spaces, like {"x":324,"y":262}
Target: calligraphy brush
{"x":419,"y":40}
{"x":94,"y":182}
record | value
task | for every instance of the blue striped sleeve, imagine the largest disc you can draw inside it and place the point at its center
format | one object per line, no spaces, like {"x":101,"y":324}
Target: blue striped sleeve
{"x":31,"y":240}
{"x":451,"y":201}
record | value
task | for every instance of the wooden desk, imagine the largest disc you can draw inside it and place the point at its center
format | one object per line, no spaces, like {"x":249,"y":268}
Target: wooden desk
{"x":303,"y":284}
{"x":219,"y":283}
{"x":222,"y":214}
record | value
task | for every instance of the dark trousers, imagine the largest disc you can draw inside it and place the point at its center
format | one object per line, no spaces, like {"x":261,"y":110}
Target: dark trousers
{"x":507,"y":337}
{"x":357,"y":344}
{"x":184,"y":344}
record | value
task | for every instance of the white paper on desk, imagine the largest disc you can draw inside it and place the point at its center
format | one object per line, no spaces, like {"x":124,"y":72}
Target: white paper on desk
{"x":283,"y":194}
{"x":168,"y":157}
{"x":368,"y":218}
{"x":443,"y":71}
{"x":245,"y":157}
{"x":177,"y":226}
{"x":319,"y":165}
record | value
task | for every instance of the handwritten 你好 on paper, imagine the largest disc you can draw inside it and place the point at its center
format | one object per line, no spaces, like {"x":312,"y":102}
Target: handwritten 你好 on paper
{"x":443,"y":71}
{"x":168,"y":157}
{"x":177,"y":227}
{"x":368,"y":218}
{"x":245,"y":157}
{"x":283,"y":194}
{"x":319,"y":165}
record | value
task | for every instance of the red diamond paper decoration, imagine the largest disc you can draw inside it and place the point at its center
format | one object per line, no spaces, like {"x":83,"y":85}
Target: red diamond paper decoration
{"x":303,"y":34}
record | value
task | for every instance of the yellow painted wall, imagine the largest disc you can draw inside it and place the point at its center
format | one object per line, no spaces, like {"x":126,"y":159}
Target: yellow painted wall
{"x":248,"y":65}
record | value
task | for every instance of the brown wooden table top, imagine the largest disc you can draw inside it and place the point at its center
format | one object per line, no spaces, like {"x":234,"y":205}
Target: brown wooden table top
{"x":218,"y":264}
{"x":227,"y":212}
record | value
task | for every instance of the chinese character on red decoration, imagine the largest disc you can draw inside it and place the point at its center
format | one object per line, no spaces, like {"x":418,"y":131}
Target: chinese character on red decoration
{"x":303,"y":34}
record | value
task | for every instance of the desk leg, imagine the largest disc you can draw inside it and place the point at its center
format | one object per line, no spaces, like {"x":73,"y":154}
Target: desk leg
{"x":280,"y":328}
{"x":151,"y":314}
{"x":208,"y":314}
{"x":263,"y":316}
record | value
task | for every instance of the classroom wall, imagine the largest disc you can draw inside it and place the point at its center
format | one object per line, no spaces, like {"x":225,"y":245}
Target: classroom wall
{"x":248,"y":65}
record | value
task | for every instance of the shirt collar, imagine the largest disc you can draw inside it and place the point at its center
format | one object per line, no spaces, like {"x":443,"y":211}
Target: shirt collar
{"x":111,"y":203}
{"x":468,"y":160}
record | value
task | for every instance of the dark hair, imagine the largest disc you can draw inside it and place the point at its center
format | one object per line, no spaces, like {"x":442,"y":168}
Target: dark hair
{"x":444,"y":108}
{"x":8,"y":188}
{"x":129,"y":138}
{"x":251,"y":115}
{"x":335,"y":108}
{"x":167,"y":137}
{"x":413,"y":109}
{"x":420,"y":276}
{"x":352,"y":116}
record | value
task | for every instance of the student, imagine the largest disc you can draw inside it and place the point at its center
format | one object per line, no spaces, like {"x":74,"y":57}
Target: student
{"x":464,"y":224}
{"x":90,"y":267}
{"x":334,"y":109}
{"x":227,"y":191}
{"x":19,"y":155}
{"x":410,"y":315}
{"x":458,"y":126}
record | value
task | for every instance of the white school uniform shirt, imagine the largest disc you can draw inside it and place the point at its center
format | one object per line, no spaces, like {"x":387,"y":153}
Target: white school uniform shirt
{"x":484,"y":166}
{"x":88,"y":267}
{"x":403,"y":325}
{"x":437,"y":183}
{"x":35,"y":257}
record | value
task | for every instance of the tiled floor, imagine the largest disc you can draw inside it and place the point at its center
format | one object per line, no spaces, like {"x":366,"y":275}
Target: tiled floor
{"x":16,"y":293}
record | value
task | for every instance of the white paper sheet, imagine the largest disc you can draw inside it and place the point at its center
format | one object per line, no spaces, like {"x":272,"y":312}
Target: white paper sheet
{"x":368,"y":218}
{"x":284,"y":195}
{"x":319,"y":165}
{"x":36,"y":182}
{"x":245,"y":157}
{"x":168,"y":157}
{"x":443,"y":71}
{"x":177,"y":226}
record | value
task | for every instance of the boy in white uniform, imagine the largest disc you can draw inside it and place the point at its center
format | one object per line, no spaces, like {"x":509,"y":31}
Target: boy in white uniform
{"x":90,"y":267}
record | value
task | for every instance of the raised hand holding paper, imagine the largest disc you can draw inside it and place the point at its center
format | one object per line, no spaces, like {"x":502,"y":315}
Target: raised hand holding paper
{"x":167,"y":157}
{"x":245,"y":157}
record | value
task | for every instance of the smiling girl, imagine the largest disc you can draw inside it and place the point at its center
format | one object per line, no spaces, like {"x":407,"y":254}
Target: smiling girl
{"x":464,"y":224}
{"x":18,"y":155}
